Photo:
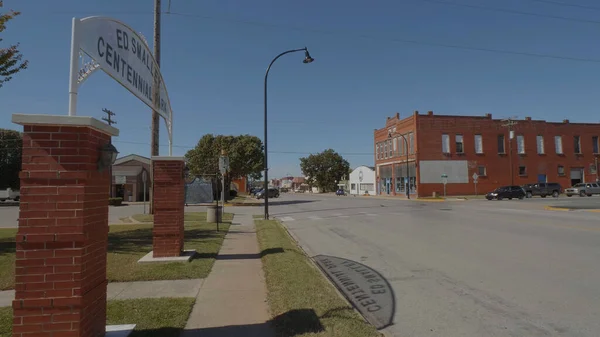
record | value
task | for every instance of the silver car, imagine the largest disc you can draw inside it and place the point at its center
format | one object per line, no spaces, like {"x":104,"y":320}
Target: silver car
{"x":583,"y":189}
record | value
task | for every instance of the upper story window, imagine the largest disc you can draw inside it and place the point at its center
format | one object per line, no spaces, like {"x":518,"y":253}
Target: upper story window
{"x":411,"y":142}
{"x":577,"y":144}
{"x":558,"y":144}
{"x":478,"y":140}
{"x":385,"y":152}
{"x":459,"y":144}
{"x":501,"y":149}
{"x":540,"y":144}
{"x":595,"y":144}
{"x":445,"y":143}
{"x":520,"y":144}
{"x":390,"y":149}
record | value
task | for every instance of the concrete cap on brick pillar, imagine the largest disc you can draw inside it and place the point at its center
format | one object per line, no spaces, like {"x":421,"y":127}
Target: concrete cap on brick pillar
{"x":161,"y":158}
{"x":64,"y":120}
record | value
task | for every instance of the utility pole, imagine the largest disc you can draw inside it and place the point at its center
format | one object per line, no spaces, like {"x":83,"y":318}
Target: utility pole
{"x":108,"y":119}
{"x":155,"y":97}
{"x":509,"y":123}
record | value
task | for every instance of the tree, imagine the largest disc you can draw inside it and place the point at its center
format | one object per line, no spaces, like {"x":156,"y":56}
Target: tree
{"x":10,"y":158}
{"x":245,"y":152}
{"x":10,"y":58}
{"x":324,"y":169}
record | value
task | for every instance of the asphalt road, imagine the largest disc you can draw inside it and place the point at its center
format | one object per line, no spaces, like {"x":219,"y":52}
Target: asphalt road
{"x":471,"y":268}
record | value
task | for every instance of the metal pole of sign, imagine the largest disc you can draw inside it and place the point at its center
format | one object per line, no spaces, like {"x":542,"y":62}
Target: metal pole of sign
{"x":145,"y":180}
{"x":74,"y":68}
{"x":217,"y":211}
{"x":475,"y":182}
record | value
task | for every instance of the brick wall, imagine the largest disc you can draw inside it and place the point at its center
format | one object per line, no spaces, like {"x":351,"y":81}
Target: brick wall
{"x":62,"y":236}
{"x":498,"y":166}
{"x":168,"y":194}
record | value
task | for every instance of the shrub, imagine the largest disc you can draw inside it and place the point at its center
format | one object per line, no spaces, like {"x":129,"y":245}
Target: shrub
{"x":115,"y":201}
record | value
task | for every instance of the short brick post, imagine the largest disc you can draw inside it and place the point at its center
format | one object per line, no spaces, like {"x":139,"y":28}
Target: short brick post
{"x":60,"y":272}
{"x":168,"y":200}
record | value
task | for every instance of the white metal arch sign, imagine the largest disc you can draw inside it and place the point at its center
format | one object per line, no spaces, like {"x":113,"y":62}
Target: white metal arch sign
{"x":125,"y":56}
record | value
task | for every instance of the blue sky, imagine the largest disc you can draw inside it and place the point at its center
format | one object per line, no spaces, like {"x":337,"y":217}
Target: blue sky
{"x":214,"y":59}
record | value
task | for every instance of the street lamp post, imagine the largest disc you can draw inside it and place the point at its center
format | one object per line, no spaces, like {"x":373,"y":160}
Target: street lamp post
{"x":307,"y":59}
{"x":390,"y":135}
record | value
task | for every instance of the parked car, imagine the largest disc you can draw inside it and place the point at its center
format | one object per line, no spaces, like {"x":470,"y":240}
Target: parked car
{"x":583,"y":189}
{"x":340,"y":191}
{"x":542,"y":189}
{"x":9,"y":194}
{"x":508,"y":192}
{"x":273,"y":193}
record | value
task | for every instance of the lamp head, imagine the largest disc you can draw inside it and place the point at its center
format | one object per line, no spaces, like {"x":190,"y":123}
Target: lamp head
{"x":107,"y":157}
{"x":307,"y":58}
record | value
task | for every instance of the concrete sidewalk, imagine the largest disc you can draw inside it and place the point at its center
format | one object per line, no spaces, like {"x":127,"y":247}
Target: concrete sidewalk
{"x":232,"y":299}
{"x":130,"y":290}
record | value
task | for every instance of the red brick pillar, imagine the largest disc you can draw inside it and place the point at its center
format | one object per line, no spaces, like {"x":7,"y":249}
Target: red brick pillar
{"x":63,"y":228}
{"x":168,"y":200}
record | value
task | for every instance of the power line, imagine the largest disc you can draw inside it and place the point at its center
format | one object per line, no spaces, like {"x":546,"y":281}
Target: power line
{"x":558,"y":3}
{"x":510,"y":11}
{"x":371,"y":37}
{"x":395,"y":40}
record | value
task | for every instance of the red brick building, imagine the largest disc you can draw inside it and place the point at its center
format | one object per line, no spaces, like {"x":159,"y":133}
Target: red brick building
{"x":460,"y":146}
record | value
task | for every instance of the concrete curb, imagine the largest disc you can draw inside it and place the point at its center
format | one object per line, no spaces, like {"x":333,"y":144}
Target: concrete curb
{"x":566,"y":209}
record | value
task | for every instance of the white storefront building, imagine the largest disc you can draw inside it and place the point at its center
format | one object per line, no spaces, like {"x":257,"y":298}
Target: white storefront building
{"x":362,"y":181}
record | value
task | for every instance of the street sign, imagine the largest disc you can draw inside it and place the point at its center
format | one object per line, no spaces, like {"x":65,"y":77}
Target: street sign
{"x":475,"y":177}
{"x":444,"y":179}
{"x":223,"y":164}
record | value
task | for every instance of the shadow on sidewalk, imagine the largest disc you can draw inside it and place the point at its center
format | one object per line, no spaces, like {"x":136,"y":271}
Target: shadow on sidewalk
{"x":292,"y":323}
{"x":249,"y":256}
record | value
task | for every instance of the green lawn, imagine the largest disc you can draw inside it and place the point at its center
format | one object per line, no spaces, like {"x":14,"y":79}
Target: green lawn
{"x":128,"y":243}
{"x":154,"y":317}
{"x":302,"y":301}
{"x":7,"y":258}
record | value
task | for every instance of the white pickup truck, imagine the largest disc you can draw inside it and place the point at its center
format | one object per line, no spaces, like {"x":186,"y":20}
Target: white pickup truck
{"x":9,"y":194}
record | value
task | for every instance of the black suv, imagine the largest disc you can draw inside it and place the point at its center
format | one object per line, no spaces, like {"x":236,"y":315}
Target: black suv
{"x":508,"y":192}
{"x":542,"y":189}
{"x":273,"y":193}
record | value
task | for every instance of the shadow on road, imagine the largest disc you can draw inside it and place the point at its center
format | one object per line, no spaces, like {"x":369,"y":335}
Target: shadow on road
{"x":287,"y":202}
{"x":414,"y":205}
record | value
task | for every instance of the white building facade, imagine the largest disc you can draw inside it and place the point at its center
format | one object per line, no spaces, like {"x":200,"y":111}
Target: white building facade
{"x":362,"y":181}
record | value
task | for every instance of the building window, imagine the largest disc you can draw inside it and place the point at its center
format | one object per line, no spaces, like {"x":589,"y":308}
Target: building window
{"x":593,"y":169}
{"x":353,"y":186}
{"x":558,"y":144}
{"x":520,"y":144}
{"x":411,"y":141}
{"x":595,"y":144}
{"x":445,"y":143}
{"x":501,"y":149}
{"x":395,"y":141}
{"x":400,"y":146}
{"x":459,"y":144}
{"x":540,"y":144}
{"x":481,"y":171}
{"x":390,"y":150}
{"x":478,"y":144}
{"x":522,"y":170}
{"x":384,"y":149}
{"x":577,"y":144}
{"x":561,"y":170}
{"x":377,"y":151}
